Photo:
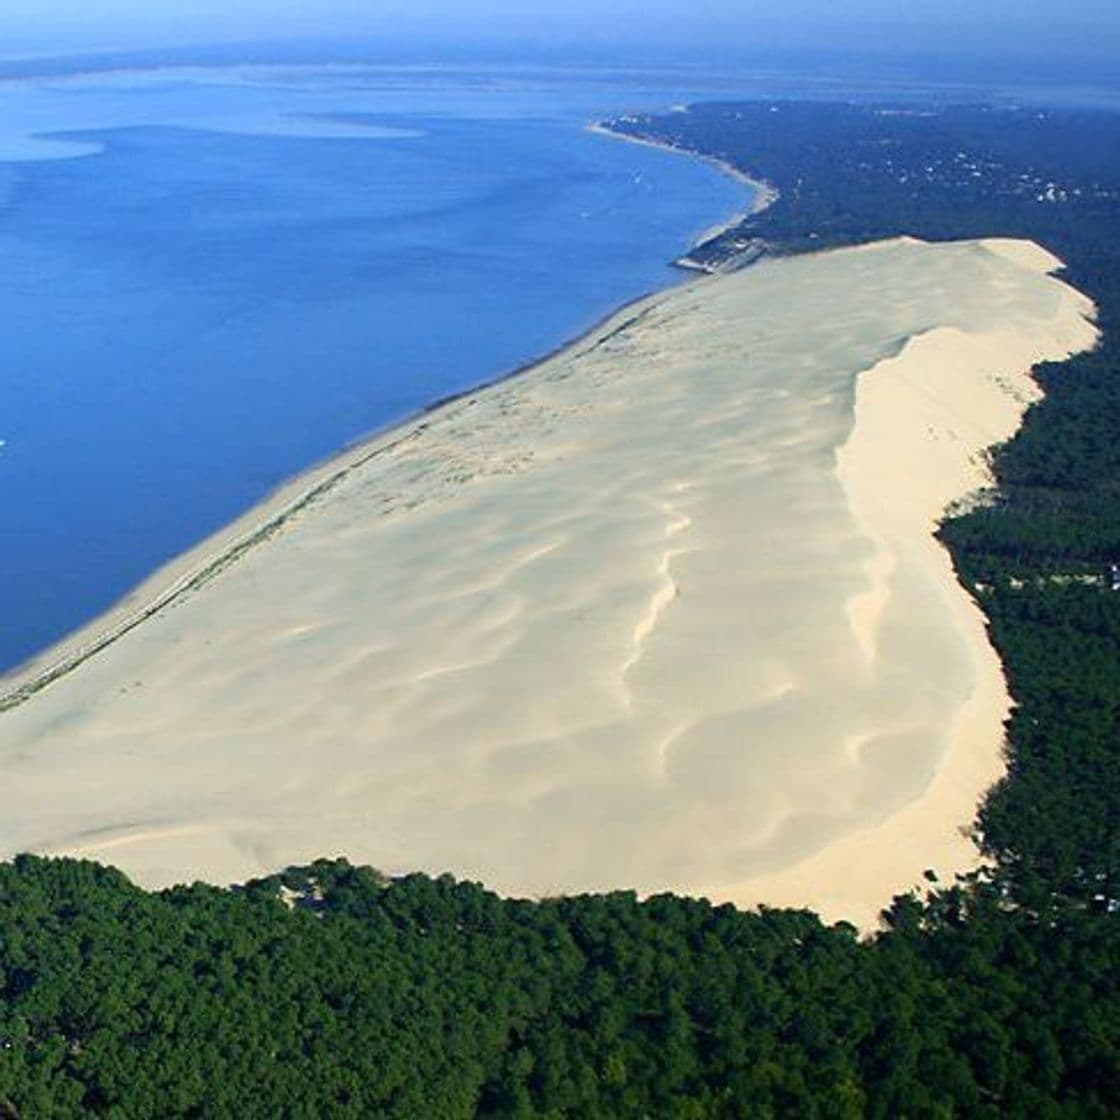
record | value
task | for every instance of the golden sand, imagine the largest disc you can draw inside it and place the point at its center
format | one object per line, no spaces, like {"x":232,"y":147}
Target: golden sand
{"x":664,"y":612}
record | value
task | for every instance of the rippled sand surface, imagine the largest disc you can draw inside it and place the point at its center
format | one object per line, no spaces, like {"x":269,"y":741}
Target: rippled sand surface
{"x":663,"y":612}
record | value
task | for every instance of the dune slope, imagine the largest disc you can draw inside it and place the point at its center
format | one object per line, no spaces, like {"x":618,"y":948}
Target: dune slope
{"x":664,"y":612}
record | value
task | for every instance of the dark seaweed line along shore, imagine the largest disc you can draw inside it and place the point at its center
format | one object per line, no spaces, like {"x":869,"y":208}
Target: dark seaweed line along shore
{"x":228,"y":546}
{"x":195,"y":579}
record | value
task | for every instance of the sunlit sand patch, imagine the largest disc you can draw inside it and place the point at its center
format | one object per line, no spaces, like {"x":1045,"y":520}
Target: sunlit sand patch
{"x":665,"y":612}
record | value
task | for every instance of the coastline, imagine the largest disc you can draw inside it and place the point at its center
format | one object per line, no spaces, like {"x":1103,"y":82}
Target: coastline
{"x":193,"y":568}
{"x":765,"y":193}
{"x":674,"y":528}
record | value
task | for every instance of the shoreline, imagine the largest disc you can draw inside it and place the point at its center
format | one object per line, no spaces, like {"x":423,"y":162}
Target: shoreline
{"x":765,"y":193}
{"x":196,"y":564}
{"x":194,"y":567}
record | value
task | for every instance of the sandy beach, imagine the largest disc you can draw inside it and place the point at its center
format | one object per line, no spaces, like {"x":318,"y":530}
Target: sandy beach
{"x":664,"y":612}
{"x":765,"y":194}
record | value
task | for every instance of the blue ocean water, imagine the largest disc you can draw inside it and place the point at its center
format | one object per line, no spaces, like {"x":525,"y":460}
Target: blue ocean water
{"x":212,"y":279}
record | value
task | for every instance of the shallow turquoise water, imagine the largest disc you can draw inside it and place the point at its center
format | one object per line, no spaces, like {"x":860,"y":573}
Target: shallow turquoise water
{"x":213,"y":279}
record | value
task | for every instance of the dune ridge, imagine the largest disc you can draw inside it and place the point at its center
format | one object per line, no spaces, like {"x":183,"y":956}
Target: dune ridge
{"x":664,"y":612}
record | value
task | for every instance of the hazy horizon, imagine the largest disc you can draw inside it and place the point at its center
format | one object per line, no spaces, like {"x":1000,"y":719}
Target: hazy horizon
{"x":950,"y":31}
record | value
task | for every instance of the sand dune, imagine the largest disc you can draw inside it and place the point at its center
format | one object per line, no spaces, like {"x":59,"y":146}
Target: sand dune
{"x":664,"y":612}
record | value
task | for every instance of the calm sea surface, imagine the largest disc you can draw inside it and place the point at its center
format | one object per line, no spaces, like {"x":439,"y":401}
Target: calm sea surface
{"x":214,"y":278}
